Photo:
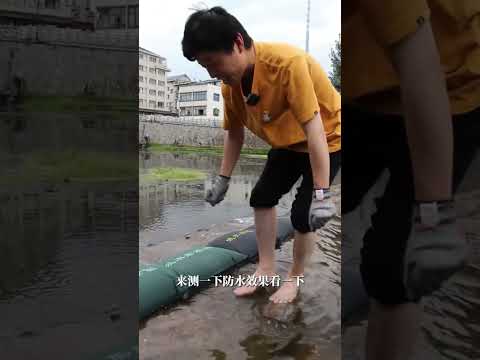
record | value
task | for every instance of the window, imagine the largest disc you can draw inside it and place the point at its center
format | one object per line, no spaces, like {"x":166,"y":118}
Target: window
{"x":216,"y":97}
{"x":160,"y":104}
{"x":193,"y":111}
{"x":50,"y":4}
{"x":140,"y":102}
{"x":216,"y":112}
{"x":152,"y":70}
{"x":133,"y":17}
{"x":186,"y":97}
{"x":152,"y":82}
{"x":151,"y":104}
{"x":161,"y":93}
{"x":141,"y":56}
{"x":200,"y":96}
{"x":140,"y":67}
{"x":140,"y":78}
{"x":152,"y":92}
{"x":186,"y":111}
{"x":111,"y":17}
{"x":153,"y":59}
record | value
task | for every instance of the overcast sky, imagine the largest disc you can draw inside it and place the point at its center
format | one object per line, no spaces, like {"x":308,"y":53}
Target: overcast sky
{"x":162,"y":24}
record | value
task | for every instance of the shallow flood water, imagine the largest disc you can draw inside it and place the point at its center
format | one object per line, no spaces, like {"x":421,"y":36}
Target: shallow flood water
{"x":214,"y":324}
{"x":169,"y":209}
{"x":57,"y":266}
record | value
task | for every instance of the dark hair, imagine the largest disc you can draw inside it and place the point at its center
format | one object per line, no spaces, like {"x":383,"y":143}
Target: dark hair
{"x":212,"y":30}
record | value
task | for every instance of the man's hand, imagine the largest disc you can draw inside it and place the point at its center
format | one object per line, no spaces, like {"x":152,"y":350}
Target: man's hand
{"x":435,"y":250}
{"x":218,"y":190}
{"x":322,"y":209}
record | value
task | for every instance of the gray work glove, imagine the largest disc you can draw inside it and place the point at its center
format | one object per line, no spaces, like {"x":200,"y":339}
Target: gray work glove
{"x":322,"y":209}
{"x":436,"y":249}
{"x":218,"y":190}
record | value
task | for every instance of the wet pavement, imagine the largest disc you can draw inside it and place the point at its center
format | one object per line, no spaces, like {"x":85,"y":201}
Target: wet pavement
{"x":214,"y":324}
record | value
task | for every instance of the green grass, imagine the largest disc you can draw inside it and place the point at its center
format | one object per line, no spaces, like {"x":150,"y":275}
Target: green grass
{"x":171,"y":174}
{"x":70,"y":165}
{"x":215,"y":150}
{"x":77,"y":104}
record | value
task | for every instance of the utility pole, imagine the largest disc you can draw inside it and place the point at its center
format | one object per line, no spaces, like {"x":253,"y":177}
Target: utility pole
{"x":308,"y":27}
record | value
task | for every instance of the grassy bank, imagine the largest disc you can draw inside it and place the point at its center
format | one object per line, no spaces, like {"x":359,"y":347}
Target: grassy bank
{"x":215,"y":150}
{"x":171,"y":174}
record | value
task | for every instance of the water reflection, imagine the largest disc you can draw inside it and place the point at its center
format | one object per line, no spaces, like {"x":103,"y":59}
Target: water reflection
{"x":60,"y":249}
{"x":171,"y":209}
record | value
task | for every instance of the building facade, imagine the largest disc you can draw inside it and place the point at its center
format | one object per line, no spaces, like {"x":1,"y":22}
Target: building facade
{"x":65,"y":13}
{"x":173,"y":83}
{"x":116,"y":15}
{"x":201,"y":100}
{"x":152,"y":88}
{"x":111,"y":15}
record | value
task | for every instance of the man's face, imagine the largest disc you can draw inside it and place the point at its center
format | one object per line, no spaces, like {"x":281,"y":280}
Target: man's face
{"x":228,"y":67}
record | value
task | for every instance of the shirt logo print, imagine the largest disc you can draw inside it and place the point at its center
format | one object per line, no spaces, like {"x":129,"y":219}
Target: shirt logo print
{"x":266,"y":117}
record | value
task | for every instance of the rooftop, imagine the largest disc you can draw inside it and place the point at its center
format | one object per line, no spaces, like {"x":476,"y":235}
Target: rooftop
{"x":203,"y":82}
{"x":148,"y":52}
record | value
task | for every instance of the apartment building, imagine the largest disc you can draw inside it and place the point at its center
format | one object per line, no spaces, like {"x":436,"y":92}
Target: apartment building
{"x":173,"y":83}
{"x":152,"y":89}
{"x":201,"y":100}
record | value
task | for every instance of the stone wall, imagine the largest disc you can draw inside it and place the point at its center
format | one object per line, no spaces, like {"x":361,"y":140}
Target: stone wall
{"x":176,"y":133}
{"x":53,"y":61}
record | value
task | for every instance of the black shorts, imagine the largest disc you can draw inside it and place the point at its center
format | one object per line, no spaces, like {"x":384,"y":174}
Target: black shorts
{"x":283,"y":168}
{"x":372,"y":143}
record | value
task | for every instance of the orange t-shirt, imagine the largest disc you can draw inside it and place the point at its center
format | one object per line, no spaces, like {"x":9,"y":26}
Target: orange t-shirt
{"x":292,"y":87}
{"x":369,"y":27}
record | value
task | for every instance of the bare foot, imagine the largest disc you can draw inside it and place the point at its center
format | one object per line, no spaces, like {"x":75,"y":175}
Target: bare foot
{"x":249,"y":289}
{"x":287,"y":292}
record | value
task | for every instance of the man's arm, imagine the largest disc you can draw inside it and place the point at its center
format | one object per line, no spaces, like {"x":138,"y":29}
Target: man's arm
{"x":427,"y":113}
{"x":232,"y":146}
{"x":318,"y":149}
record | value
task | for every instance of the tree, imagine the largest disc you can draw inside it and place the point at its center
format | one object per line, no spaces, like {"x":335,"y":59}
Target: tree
{"x":335,"y":74}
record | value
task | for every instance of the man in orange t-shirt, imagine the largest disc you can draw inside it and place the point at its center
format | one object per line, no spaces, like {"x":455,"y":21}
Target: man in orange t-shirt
{"x":282,"y":95}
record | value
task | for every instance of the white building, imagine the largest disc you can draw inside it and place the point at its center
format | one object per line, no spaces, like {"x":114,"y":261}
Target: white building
{"x":201,"y":100}
{"x":116,"y":15}
{"x":173,"y":83}
{"x":152,"y":89}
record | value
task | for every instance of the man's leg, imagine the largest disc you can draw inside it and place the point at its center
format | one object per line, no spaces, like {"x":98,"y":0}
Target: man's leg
{"x":302,"y":250}
{"x":393,"y":322}
{"x":393,"y":331}
{"x":372,"y":142}
{"x":275,"y":180}
{"x":266,"y":231}
{"x":304,"y":239}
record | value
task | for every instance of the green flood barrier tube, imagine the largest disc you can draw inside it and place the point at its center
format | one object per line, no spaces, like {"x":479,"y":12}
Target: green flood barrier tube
{"x":159,"y":284}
